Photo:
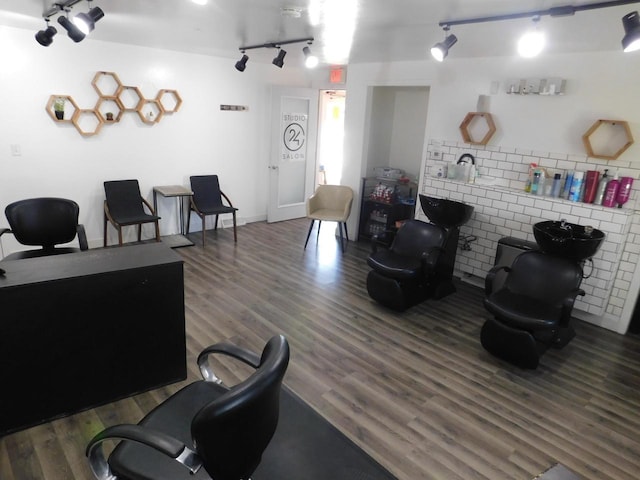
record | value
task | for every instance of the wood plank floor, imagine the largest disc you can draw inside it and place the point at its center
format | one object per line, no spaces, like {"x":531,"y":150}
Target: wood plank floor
{"x":415,"y":390}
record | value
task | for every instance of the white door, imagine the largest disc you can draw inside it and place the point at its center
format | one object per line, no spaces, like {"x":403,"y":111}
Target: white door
{"x":294,"y":120}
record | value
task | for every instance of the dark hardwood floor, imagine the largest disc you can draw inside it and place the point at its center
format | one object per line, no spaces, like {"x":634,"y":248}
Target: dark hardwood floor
{"x":415,"y":390}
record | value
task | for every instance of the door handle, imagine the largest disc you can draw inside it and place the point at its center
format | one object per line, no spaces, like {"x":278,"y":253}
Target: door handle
{"x":273,"y":167}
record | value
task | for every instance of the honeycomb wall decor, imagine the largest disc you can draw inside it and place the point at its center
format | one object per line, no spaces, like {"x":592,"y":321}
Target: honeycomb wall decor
{"x":114,"y":100}
{"x":607,"y":139}
{"x":477,"y":128}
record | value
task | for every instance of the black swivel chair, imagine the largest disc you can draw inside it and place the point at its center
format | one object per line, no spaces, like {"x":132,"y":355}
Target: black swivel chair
{"x":406,"y":273}
{"x":532,"y":309}
{"x":207,"y":200}
{"x":44,"y":222}
{"x":204,"y":431}
{"x":124,"y":206}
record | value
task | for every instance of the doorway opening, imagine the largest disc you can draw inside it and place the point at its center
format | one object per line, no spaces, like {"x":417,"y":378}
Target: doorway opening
{"x":331,"y":137}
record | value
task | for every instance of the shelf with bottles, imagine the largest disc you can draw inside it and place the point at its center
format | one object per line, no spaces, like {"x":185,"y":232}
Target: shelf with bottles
{"x":385,"y":202}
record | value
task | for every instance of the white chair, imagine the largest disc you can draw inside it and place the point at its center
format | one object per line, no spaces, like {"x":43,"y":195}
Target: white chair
{"x":331,"y":203}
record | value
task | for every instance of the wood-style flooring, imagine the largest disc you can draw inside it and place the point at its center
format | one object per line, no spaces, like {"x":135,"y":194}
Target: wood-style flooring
{"x":415,"y":389}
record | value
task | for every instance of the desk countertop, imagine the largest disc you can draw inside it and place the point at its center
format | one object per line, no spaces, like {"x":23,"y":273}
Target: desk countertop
{"x":88,"y":262}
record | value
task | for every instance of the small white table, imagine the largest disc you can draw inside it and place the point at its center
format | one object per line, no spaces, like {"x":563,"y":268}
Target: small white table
{"x":180,"y":193}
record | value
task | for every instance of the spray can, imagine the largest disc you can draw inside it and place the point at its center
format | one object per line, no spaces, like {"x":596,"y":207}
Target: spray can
{"x":602,"y":186}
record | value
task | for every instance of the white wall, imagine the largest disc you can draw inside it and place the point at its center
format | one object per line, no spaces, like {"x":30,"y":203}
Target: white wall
{"x":199,"y":139}
{"x":397,"y":124}
{"x":409,"y":121}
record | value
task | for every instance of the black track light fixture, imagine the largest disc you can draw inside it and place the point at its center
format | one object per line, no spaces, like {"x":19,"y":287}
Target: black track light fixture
{"x":310,"y":59}
{"x":77,"y":28}
{"x":631,"y":24}
{"x":441,"y":49}
{"x":86,"y":22}
{"x":45,"y":37}
{"x":74,"y":32}
{"x":242,"y":63}
{"x":279,"y":60}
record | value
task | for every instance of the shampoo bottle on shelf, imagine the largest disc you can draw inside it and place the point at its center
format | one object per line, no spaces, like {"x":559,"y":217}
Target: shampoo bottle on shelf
{"x":535,"y":183}
{"x":611,"y":192}
{"x":624,"y":192}
{"x":591,"y":186}
{"x":567,"y":185}
{"x":557,"y":184}
{"x":602,"y":186}
{"x":576,"y":187}
{"x":527,"y":185}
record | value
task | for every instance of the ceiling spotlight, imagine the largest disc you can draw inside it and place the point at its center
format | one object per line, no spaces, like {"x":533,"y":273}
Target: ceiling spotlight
{"x":200,"y":2}
{"x":310,"y":61}
{"x":532,"y":42}
{"x":279,"y":60}
{"x":86,"y":22}
{"x":242,"y":63}
{"x":441,"y":49}
{"x":45,"y":37}
{"x":631,"y":40}
{"x":74,"y":32}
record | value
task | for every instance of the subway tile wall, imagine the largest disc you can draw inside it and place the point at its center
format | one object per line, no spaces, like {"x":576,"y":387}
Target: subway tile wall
{"x":503,"y":209}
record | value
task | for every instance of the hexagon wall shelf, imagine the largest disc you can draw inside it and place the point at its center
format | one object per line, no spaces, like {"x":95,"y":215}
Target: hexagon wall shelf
{"x":169,"y":101}
{"x":607,"y":139}
{"x":130,"y":97}
{"x":67,"y":113}
{"x":87,"y":122}
{"x":474,"y":122}
{"x":114,"y":99}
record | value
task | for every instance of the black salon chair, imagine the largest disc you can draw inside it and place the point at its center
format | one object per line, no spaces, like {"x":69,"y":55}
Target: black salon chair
{"x":207,"y":200}
{"x":405,"y":273}
{"x":204,"y":431}
{"x":44,"y":222}
{"x":124,"y":205}
{"x":532,"y":309}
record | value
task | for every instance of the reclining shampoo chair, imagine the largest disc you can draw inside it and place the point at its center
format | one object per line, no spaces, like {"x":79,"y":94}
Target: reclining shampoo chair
{"x":407,"y":272}
{"x":532,"y":310}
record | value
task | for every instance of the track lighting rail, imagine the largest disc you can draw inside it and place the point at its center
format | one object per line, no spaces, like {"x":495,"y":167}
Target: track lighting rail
{"x":58,"y":7}
{"x":277,"y":44}
{"x":561,"y":11}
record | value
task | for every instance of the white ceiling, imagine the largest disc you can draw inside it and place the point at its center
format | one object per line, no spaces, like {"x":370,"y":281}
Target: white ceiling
{"x":346,"y":31}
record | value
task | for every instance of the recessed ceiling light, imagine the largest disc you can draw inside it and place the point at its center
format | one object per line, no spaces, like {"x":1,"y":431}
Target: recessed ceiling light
{"x":200,"y":2}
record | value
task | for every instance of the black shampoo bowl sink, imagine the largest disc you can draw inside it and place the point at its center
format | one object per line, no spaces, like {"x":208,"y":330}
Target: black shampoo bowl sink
{"x":445,"y":213}
{"x":568,"y":240}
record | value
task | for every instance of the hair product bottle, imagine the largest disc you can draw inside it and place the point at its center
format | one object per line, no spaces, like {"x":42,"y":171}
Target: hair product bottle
{"x":535,"y":183}
{"x":567,"y":185}
{"x":527,"y":185}
{"x":557,"y":184}
{"x":611,"y":192}
{"x":602,"y":186}
{"x":591,"y":185}
{"x":624,"y":191}
{"x":576,"y":187}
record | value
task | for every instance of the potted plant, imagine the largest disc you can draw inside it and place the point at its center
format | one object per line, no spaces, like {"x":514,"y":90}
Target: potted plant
{"x":58,"y":108}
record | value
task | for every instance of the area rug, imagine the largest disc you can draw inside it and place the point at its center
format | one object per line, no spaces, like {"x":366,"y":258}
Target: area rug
{"x":557,"y":472}
{"x":307,"y":447}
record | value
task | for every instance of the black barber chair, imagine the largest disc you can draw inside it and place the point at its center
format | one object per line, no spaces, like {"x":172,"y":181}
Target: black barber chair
{"x":204,"y":431}
{"x":45,"y":222}
{"x":405,"y":273}
{"x":532,"y":309}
